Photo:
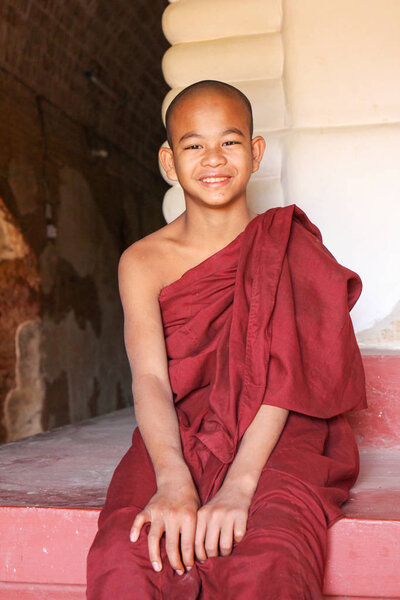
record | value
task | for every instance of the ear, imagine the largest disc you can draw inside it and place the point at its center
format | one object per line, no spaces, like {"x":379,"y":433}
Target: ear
{"x":257,"y":150}
{"x":166,"y":157}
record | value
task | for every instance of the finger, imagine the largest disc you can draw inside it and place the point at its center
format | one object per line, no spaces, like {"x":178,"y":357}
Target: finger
{"x":153,"y":543}
{"x":172,"y":548}
{"x":201,"y":527}
{"x":239,"y":528}
{"x":226,"y":538}
{"x":212,"y":538}
{"x":140,"y":519}
{"x":188,"y":531}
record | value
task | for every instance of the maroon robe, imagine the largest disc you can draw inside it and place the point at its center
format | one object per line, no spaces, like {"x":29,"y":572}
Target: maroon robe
{"x":265,"y":320}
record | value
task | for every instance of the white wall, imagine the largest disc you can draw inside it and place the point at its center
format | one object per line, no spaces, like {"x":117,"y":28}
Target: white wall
{"x":324,"y":80}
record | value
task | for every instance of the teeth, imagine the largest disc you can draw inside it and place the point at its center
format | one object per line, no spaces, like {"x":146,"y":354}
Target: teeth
{"x":214,"y":179}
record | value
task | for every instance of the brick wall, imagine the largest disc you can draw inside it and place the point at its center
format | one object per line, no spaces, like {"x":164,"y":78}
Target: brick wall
{"x":78,"y":160}
{"x":50,"y":45}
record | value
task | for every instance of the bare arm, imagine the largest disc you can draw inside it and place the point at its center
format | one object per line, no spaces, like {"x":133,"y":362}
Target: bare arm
{"x":257,"y":444}
{"x":224,"y":518}
{"x":158,"y":424}
{"x":173,"y":508}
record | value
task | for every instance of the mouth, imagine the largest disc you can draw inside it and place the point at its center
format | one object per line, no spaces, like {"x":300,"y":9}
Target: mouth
{"x":215,"y":180}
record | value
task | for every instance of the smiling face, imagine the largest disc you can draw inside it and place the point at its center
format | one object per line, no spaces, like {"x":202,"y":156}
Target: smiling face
{"x":213,"y":155}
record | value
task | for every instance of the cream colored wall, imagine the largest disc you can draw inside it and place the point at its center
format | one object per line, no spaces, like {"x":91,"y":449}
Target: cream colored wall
{"x":324,"y":80}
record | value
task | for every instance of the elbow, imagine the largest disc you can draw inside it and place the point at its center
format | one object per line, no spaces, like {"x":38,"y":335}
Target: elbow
{"x":147,"y":385}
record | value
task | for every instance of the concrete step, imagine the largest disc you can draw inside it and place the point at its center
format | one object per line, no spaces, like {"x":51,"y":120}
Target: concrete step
{"x":378,"y":426}
{"x":52,"y":487}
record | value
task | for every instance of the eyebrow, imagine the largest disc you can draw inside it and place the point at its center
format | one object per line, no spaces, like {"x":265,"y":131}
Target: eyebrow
{"x":233,"y":130}
{"x":192,"y":134}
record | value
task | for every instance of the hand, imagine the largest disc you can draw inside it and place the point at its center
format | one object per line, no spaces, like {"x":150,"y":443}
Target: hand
{"x":173,"y":511}
{"x":220,"y":521}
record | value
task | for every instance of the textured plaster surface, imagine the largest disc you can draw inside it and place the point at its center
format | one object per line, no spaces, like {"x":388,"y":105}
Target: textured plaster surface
{"x":21,"y":392}
{"x":12,"y":243}
{"x":23,"y":404}
{"x":384,"y":333}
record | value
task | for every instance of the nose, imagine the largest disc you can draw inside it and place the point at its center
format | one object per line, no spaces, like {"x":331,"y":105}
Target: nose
{"x":213,"y":157}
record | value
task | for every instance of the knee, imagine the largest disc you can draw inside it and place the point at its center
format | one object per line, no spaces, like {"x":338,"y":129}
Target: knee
{"x":112,"y":553}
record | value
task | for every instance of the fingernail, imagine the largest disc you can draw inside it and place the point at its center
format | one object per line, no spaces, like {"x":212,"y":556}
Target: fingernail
{"x":133,"y":536}
{"x":188,"y":568}
{"x":156,"y":566}
{"x":179,"y":572}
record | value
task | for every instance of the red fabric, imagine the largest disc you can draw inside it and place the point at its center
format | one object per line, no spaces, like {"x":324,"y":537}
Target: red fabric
{"x":281,"y":556}
{"x":263,"y":320}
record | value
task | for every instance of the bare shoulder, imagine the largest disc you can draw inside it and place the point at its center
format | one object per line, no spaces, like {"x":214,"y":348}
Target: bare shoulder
{"x":150,"y":259}
{"x":140,"y":275}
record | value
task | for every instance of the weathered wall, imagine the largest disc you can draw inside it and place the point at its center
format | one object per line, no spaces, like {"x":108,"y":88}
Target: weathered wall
{"x":324,"y":81}
{"x":79,"y":181}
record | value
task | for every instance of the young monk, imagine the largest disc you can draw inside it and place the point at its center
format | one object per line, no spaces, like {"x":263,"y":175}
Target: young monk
{"x":243,"y":360}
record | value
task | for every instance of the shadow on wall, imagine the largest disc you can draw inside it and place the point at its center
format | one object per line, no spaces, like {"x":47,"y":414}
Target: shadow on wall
{"x":61,"y":351}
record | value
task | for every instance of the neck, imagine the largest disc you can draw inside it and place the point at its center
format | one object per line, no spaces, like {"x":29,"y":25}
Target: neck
{"x":214,"y":226}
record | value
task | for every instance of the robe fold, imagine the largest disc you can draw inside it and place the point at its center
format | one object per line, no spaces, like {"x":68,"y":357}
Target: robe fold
{"x":265,"y":320}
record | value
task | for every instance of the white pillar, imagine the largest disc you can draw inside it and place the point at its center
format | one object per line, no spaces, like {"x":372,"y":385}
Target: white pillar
{"x":324,"y":80}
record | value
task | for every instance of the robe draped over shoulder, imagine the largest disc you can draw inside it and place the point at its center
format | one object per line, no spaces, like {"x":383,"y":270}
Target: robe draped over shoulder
{"x":265,"y":320}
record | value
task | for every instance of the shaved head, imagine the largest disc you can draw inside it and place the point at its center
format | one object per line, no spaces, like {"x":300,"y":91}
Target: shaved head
{"x":204,"y":87}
